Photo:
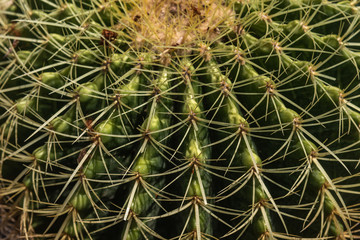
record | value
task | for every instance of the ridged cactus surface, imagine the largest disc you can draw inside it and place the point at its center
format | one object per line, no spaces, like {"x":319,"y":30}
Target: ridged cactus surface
{"x":152,"y":119}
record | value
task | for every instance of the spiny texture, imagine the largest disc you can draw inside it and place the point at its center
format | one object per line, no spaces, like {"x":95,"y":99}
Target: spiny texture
{"x":179,"y":119}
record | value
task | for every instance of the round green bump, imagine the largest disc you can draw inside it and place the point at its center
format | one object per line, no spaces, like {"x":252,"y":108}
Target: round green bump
{"x":69,"y":11}
{"x":89,"y":171}
{"x":334,"y":93}
{"x":266,"y":45}
{"x":80,"y":201}
{"x":331,"y":41}
{"x":117,"y":62}
{"x":28,"y":181}
{"x":23,"y":55}
{"x":63,"y":123}
{"x":195,"y":189}
{"x":259,"y":226}
{"x":336,"y":229}
{"x":40,"y":153}
{"x":294,"y":27}
{"x":28,"y":58}
{"x":23,"y":105}
{"x":316,"y":179}
{"x":154,"y":125}
{"x":38,"y":14}
{"x":56,"y":41}
{"x":107,"y":127}
{"x":94,"y":167}
{"x":69,"y":229}
{"x":248,"y":159}
{"x":328,"y":206}
{"x":260,"y":194}
{"x":60,"y":125}
{"x":12,"y":8}
{"x":84,"y":57}
{"x":86,"y":92}
{"x":304,"y":147}
{"x":288,"y":115}
{"x":52,"y":79}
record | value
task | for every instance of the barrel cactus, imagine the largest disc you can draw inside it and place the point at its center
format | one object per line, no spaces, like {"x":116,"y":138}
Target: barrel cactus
{"x":152,"y":119}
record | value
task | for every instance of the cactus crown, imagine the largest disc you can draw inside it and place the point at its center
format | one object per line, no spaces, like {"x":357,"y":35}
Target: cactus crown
{"x":168,"y":24}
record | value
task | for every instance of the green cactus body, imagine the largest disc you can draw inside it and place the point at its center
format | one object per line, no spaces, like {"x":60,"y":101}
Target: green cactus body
{"x":149,"y":161}
{"x":188,"y":119}
{"x":197,"y":183}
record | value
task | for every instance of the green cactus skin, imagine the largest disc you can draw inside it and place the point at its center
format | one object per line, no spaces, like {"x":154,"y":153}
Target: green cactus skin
{"x":134,"y":120}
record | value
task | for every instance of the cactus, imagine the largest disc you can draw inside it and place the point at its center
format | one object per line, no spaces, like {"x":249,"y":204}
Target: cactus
{"x":179,"y":119}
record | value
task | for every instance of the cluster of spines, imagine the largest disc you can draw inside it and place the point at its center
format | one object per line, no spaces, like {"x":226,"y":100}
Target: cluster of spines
{"x":321,"y":93}
{"x":102,"y":117}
